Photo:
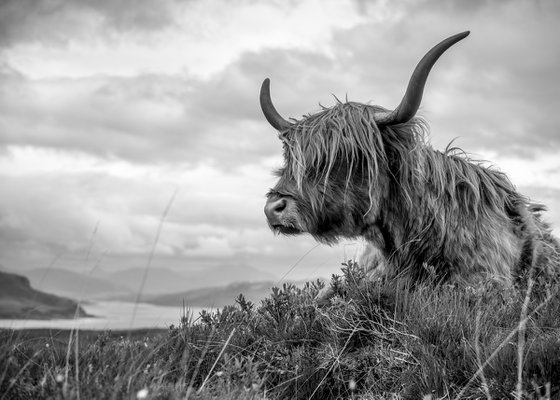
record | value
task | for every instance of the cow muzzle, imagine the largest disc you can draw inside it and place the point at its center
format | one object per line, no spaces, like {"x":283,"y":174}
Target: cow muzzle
{"x":274,"y":210}
{"x":281,"y":215}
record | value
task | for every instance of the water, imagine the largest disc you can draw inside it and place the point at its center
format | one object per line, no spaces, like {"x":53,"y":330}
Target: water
{"x":110,"y":315}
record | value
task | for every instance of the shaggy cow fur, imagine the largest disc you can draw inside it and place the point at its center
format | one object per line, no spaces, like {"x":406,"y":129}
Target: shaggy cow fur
{"x":346,"y":176}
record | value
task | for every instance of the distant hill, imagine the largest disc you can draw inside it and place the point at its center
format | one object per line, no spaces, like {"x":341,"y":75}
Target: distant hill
{"x":214,"y":296}
{"x":164,"y":280}
{"x":18,"y":300}
{"x":72,"y":284}
{"x":158,"y":280}
{"x":125,"y":284}
{"x":218,"y":296}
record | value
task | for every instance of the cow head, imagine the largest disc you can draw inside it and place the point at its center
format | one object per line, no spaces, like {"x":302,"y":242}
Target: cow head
{"x":337,"y":162}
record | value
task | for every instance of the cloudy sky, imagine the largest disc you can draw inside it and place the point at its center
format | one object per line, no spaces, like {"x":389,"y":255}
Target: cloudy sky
{"x":112,"y":111}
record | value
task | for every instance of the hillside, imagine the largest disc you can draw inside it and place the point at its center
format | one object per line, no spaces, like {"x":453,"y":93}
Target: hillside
{"x":214,"y":296}
{"x":163,"y":280}
{"x":158,"y":280}
{"x":72,"y":284}
{"x":18,"y":300}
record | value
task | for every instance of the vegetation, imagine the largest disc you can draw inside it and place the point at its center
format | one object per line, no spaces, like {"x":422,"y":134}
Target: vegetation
{"x":382,"y":340}
{"x":18,"y":300}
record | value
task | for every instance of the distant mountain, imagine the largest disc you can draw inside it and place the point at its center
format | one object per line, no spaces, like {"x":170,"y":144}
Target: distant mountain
{"x":218,"y":296}
{"x":125,"y":284}
{"x":158,"y":280}
{"x":163,"y":280}
{"x":72,"y":284}
{"x":18,"y":300}
{"x":226,"y":274}
{"x":214,"y":296}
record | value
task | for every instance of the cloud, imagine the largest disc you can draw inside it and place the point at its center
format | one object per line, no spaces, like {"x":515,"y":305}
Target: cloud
{"x":481,"y":91}
{"x":107,"y":108}
{"x":56,"y":199}
{"x":155,"y":118}
{"x":86,"y":38}
{"x":143,"y":120}
{"x":498,"y":83}
{"x":61,"y":21}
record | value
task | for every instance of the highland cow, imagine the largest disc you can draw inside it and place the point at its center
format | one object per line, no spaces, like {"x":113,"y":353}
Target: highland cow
{"x":357,"y":170}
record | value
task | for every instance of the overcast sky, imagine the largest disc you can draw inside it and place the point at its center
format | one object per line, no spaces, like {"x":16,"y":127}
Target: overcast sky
{"x":112,"y":110}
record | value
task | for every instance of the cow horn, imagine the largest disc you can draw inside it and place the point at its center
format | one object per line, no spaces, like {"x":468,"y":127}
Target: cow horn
{"x":413,"y":95}
{"x":272,"y":116}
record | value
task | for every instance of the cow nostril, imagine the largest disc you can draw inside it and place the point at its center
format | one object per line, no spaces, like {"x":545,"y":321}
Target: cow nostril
{"x":280,"y":206}
{"x":274,"y":209}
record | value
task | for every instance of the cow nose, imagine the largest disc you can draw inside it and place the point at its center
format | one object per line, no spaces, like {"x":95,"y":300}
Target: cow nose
{"x":273,"y":209}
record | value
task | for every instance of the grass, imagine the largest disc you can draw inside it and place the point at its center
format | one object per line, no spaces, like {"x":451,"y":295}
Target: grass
{"x":382,"y":340}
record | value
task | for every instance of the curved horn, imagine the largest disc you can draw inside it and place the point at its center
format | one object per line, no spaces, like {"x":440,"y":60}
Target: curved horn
{"x":413,"y":95}
{"x":272,"y":116}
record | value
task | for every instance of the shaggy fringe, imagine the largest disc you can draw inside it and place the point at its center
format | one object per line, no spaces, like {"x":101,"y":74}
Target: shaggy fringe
{"x":347,"y":133}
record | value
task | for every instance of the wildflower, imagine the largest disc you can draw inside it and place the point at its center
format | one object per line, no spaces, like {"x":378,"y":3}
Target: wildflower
{"x":59,"y":378}
{"x":352,"y":385}
{"x":142,"y":394}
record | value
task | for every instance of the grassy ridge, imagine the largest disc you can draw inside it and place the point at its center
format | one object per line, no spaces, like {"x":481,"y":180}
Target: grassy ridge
{"x":18,"y":300}
{"x":373,"y":341}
